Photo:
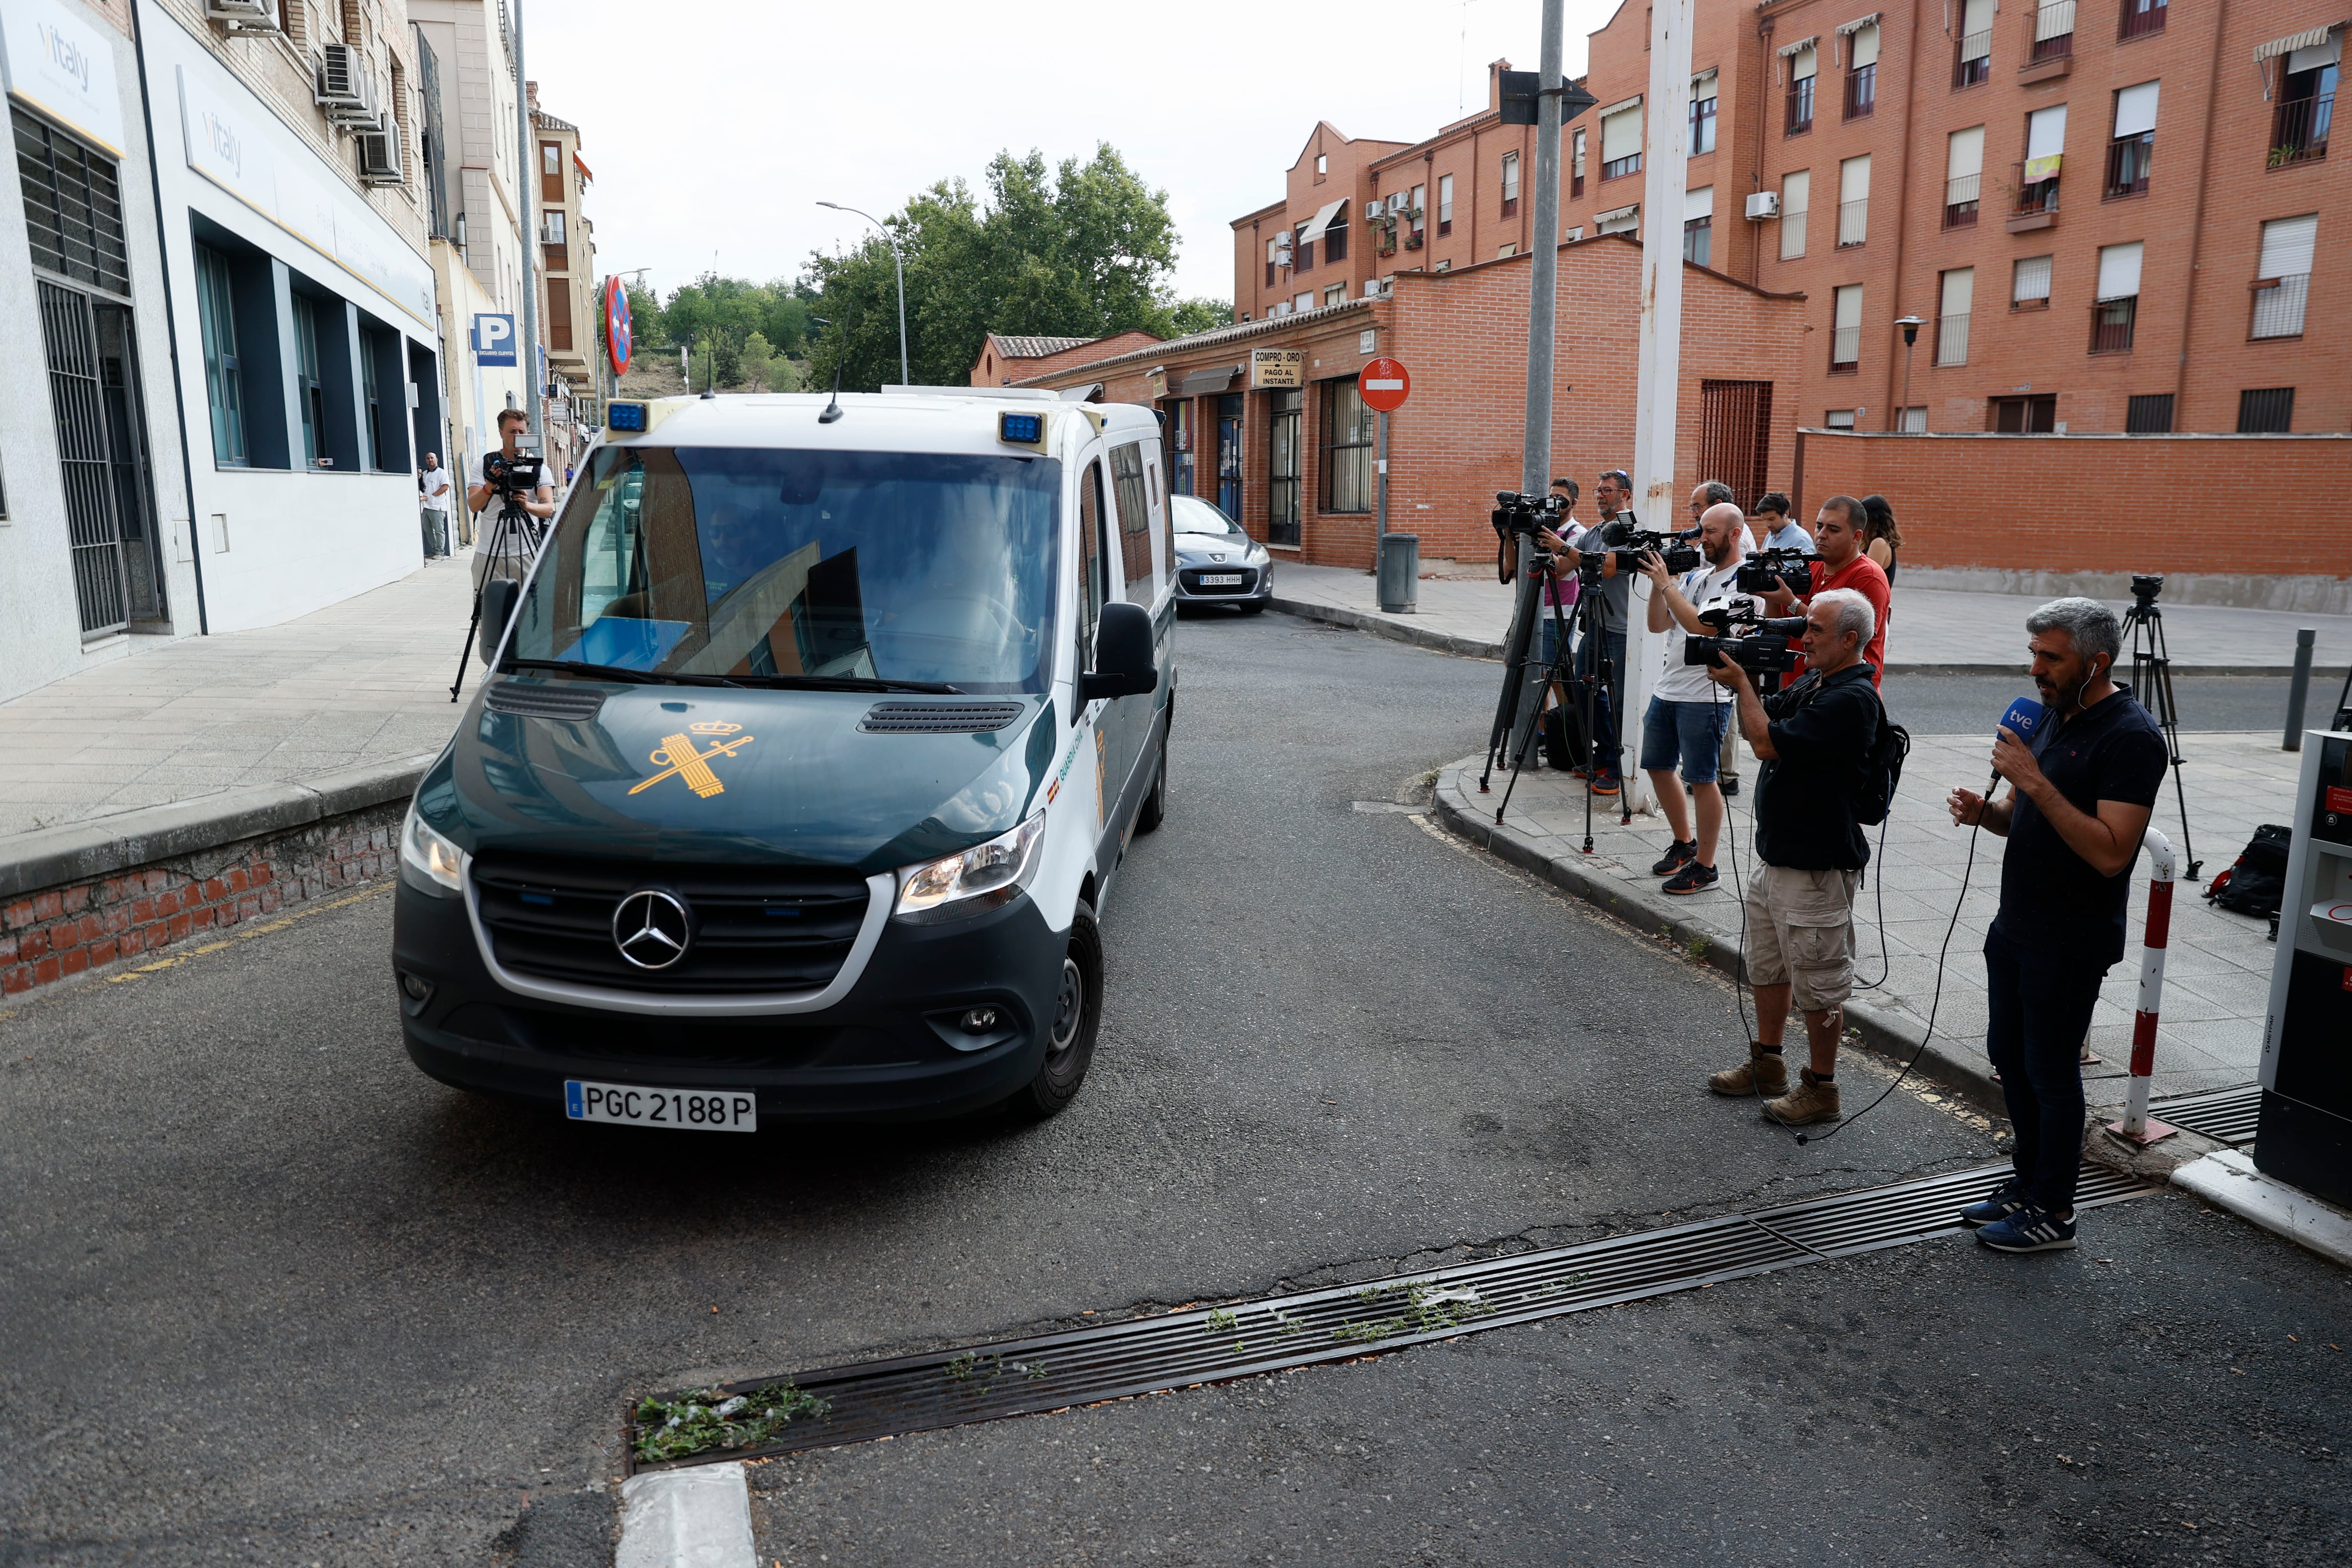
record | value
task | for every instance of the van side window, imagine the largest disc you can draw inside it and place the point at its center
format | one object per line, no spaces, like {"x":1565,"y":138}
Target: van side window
{"x":1134,"y":522}
{"x":1091,"y":575}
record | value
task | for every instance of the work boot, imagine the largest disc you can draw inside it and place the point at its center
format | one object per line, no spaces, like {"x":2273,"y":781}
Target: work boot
{"x":1763,"y":1073}
{"x":1810,"y":1101}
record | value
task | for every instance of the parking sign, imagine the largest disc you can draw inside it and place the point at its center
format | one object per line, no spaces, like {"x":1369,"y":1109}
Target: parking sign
{"x":494,"y":339}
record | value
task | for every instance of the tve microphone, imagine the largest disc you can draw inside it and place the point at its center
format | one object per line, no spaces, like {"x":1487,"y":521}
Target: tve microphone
{"x":2023,"y":718}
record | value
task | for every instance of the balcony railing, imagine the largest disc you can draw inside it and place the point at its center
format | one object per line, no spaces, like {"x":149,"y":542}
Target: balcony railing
{"x":1975,"y":60}
{"x":1862,"y":91}
{"x":1960,"y":200}
{"x":2053,"y":30}
{"x":1854,"y":222}
{"x":2129,"y":162}
{"x":2299,"y":129}
{"x":2142,"y":17}
{"x":1792,"y":234}
{"x":2036,"y":203}
{"x":2111,"y":325}
{"x":2278,"y":307}
{"x":1800,"y":107}
{"x":1952,"y":339}
{"x":1845,"y":348}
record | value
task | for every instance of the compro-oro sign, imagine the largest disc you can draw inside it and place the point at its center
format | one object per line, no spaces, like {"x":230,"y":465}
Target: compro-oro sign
{"x":494,"y":341}
{"x":1277,"y":367}
{"x":57,"y":63}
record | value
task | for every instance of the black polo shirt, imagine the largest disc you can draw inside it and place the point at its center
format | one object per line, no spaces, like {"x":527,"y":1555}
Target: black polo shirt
{"x":1804,"y":796}
{"x":2050,"y":898}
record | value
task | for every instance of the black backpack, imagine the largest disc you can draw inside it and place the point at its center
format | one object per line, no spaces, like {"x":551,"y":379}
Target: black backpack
{"x":1880,"y":772}
{"x":2255,"y":882}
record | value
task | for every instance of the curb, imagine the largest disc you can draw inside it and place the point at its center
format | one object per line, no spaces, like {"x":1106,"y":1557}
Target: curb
{"x":1884,"y":1029}
{"x":694,"y":1518}
{"x":100,"y":847}
{"x":2227,"y":1179}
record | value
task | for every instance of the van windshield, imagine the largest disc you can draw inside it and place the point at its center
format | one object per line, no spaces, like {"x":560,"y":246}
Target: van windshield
{"x":780,"y":567}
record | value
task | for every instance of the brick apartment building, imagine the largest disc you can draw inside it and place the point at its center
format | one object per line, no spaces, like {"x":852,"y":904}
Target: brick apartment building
{"x":1005,"y":358}
{"x":571,"y":309}
{"x":1296,"y":463}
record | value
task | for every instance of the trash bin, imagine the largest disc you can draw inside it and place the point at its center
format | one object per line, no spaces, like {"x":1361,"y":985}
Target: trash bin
{"x":1399,"y":572}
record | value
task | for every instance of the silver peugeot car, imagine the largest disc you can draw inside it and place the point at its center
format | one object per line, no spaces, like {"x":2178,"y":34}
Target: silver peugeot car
{"x":1217,"y":562}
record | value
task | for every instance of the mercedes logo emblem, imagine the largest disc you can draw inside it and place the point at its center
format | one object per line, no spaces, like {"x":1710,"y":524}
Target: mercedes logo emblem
{"x":651,"y":930}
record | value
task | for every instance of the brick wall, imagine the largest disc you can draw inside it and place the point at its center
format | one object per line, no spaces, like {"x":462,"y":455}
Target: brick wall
{"x":59,"y":932}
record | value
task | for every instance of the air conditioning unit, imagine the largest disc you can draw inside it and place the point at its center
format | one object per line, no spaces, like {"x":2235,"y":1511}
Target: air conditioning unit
{"x":1763,"y":205}
{"x":343,"y":88}
{"x":1372,"y":211}
{"x":379,"y":147}
{"x":245,"y":16}
{"x":1400,"y":200}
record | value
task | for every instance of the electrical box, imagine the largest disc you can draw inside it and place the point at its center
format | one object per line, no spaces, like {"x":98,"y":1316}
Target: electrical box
{"x":2304,"y":1135}
{"x":1763,"y":203}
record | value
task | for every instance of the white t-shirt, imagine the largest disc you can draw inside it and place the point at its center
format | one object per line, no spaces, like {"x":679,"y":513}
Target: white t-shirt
{"x":1678,"y":682}
{"x":436,"y":490}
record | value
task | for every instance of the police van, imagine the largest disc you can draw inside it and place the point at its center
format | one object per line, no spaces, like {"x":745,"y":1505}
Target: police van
{"x":803,"y":767}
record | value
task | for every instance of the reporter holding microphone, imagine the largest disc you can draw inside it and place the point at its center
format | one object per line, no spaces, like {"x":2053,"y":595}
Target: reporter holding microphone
{"x":2080,"y":790}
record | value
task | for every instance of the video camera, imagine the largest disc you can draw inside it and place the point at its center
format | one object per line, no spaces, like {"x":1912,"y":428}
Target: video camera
{"x":1628,"y":541}
{"x":1517,"y":512}
{"x":1767,"y":649}
{"x":519,"y":477}
{"x":1767,"y":570}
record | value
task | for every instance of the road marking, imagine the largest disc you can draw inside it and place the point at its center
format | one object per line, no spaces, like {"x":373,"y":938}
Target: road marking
{"x":696,"y":1518}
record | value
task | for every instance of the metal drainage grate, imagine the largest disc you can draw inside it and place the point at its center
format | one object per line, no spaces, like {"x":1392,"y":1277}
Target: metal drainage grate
{"x":2224,"y":1115}
{"x":1052,"y":1372}
{"x":938,"y":718}
{"x":536,"y":701}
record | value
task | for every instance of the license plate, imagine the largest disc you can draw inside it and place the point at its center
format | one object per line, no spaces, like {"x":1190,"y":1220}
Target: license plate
{"x":686,"y":1110}
{"x":1220,"y":579}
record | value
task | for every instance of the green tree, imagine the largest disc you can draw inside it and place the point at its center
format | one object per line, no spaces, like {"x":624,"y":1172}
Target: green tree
{"x":646,"y":327}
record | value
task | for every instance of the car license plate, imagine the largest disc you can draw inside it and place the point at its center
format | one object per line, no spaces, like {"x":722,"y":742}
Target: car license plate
{"x":691,"y":1111}
{"x":1221,"y":579}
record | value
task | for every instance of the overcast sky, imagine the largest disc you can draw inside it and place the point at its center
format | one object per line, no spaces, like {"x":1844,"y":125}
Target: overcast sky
{"x":718,"y":128}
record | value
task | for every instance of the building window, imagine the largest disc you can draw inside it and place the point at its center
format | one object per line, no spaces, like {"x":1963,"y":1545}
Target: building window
{"x":1305,"y":302}
{"x":551,"y":172}
{"x":1702,"y":114}
{"x":1698,"y":226}
{"x":1576,"y":165}
{"x":1796,"y":194}
{"x":1507,"y":248}
{"x":2053,"y":30}
{"x":1445,"y":204}
{"x":1862,"y":71}
{"x":224,"y":387}
{"x":1334,"y":239}
{"x":2131,"y":153}
{"x":2148,"y":415}
{"x":2306,"y":104}
{"x":1271,"y":247}
{"x":2140,"y":18}
{"x":1416,"y":219}
{"x":1322,"y":165}
{"x":558,"y":315}
{"x":1510,"y":184}
{"x":2283,"y":285}
{"x":1624,"y":220}
{"x":2036,"y":415}
{"x":1302,"y":251}
{"x":1915,"y":420}
{"x":371,"y":428}
{"x":1853,"y":201}
{"x":310,"y":385}
{"x":1973,"y":62}
{"x":1963,"y":178}
{"x":1348,"y":428}
{"x":2037,"y":174}
{"x":1282,"y":468}
{"x":1959,"y":297}
{"x":2118,"y":301}
{"x":1798,"y":116}
{"x":1335,"y":294}
{"x":1621,"y":142}
{"x":551,"y":236}
{"x":1846,"y":330}
{"x":2029,"y":287}
{"x":1445,"y":265}
{"x":73,"y":206}
{"x":2266,"y":410}
{"x":1839,"y":419}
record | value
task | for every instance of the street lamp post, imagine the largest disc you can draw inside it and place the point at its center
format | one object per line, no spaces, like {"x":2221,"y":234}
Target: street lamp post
{"x":1910,"y":325}
{"x":905,"y":378}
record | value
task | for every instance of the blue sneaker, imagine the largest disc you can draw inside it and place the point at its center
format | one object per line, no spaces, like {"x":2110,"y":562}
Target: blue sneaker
{"x":2006,"y":1200}
{"x":2032,"y":1228}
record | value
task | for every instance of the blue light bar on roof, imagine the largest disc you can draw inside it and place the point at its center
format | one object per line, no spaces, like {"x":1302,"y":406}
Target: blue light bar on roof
{"x":1027,"y":429}
{"x":627,"y":416}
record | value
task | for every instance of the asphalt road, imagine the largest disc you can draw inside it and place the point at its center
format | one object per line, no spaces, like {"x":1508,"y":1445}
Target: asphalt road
{"x":271,"y":1296}
{"x":1964,"y":704}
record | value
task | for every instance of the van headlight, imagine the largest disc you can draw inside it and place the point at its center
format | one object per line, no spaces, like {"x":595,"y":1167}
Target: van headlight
{"x":429,"y":862}
{"x":984,"y":877}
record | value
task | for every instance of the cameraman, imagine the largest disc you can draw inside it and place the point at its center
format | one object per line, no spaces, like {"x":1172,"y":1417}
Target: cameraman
{"x":1838,"y":537}
{"x":1560,"y":585}
{"x":1687,"y":716}
{"x":1810,"y":853}
{"x":2078,"y":804}
{"x":510,"y":460}
{"x":1612,"y":492}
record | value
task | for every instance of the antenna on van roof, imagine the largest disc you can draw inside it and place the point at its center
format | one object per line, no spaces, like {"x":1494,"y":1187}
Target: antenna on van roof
{"x":832,"y":409}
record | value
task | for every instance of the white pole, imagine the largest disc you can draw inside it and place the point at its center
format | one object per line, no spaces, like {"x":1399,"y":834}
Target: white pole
{"x":1664,"y":170}
{"x":2137,"y":1124}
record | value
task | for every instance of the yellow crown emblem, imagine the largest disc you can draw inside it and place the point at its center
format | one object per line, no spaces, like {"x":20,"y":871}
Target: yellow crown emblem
{"x":714,"y":727}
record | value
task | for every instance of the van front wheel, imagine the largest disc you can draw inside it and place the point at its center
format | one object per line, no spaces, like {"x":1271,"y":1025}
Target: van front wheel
{"x":1070,"y":1033}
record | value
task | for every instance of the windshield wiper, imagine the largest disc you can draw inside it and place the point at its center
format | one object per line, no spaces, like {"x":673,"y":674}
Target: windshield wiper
{"x":741,"y":682}
{"x":844,"y":683}
{"x":587,"y":671}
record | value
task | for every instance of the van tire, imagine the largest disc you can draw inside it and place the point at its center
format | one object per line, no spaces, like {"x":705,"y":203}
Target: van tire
{"x":1070,"y":1033}
{"x":1154,"y":809}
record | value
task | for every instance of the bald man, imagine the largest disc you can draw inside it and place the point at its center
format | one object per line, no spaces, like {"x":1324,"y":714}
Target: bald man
{"x":1688,"y":715}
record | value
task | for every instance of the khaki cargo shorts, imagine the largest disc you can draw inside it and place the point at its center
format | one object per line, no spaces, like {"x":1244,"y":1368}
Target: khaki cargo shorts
{"x":1801,"y":933}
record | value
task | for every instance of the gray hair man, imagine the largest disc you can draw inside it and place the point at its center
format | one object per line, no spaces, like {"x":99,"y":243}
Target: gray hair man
{"x":1810,"y":853}
{"x":2080,"y":792}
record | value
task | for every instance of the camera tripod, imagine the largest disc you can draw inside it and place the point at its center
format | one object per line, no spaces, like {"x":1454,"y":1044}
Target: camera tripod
{"x":2151,"y":685}
{"x":1592,"y":621}
{"x":509,"y":550}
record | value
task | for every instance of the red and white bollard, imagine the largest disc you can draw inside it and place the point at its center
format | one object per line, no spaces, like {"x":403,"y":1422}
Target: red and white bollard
{"x":2138,"y":1126}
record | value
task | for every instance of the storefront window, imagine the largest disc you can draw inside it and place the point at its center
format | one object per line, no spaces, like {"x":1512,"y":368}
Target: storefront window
{"x":1282,"y":468}
{"x":1347,"y":448}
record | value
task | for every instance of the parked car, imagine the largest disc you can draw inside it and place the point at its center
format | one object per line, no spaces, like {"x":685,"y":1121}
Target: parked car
{"x":1217,"y":562}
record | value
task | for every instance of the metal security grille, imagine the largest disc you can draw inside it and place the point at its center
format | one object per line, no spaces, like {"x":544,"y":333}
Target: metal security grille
{"x":73,"y":206}
{"x":1735,"y":436}
{"x":84,"y":463}
{"x":2266,"y":410}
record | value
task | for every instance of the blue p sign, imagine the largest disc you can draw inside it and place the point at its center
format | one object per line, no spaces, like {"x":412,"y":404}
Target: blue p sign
{"x":494,"y":339}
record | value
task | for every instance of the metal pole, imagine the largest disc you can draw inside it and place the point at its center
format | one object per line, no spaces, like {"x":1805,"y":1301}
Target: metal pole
{"x":2138,"y":1126}
{"x":523,"y":165}
{"x":1543,"y":307}
{"x":1903,"y":414}
{"x":2298,"y":693}
{"x":1384,"y":497}
{"x":906,"y":377}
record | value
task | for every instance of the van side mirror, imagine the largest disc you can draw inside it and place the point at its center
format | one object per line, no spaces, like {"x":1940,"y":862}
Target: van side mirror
{"x":499,"y":596}
{"x":1124,"y":665}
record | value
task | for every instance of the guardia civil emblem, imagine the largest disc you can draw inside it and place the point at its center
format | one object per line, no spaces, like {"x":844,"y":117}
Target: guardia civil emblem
{"x":682,"y":757}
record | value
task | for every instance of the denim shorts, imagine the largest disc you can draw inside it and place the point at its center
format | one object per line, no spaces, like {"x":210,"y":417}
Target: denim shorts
{"x":1690,"y":733}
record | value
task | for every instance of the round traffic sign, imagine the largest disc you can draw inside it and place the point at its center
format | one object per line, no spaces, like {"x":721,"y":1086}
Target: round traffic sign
{"x":1383,"y":385}
{"x":616,"y":325}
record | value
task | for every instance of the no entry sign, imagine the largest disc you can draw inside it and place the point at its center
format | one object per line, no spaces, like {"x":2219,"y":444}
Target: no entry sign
{"x":1383,"y":385}
{"x":619,"y":336}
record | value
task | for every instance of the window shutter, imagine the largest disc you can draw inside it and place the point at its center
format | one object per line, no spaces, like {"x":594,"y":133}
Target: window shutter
{"x":2119,"y":271}
{"x":1796,"y":191}
{"x":1849,"y":306}
{"x":1854,"y":179}
{"x":1806,"y":62}
{"x":1967,"y":155}
{"x":1699,"y":203}
{"x":1976,"y":22}
{"x":1703,"y":85}
{"x":2045,"y":133}
{"x":2136,"y":110}
{"x":2289,"y":246}
{"x":2033,"y":279}
{"x":2315,"y":56}
{"x":1620,"y":133}
{"x":1959,"y":291}
{"x":1865,"y":47}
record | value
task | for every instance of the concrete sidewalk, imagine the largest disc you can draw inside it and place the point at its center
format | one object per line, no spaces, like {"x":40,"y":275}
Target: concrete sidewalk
{"x":1931,"y":629}
{"x":2217,"y":975}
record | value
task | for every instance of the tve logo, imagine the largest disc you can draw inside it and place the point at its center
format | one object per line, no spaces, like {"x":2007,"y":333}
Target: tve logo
{"x":494,"y":339}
